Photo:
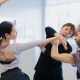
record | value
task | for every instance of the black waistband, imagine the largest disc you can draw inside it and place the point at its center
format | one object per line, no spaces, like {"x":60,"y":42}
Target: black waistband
{"x":9,"y":70}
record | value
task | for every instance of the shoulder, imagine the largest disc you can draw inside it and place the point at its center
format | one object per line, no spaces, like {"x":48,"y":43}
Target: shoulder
{"x":76,"y":57}
{"x":49,"y":28}
{"x":49,"y":32}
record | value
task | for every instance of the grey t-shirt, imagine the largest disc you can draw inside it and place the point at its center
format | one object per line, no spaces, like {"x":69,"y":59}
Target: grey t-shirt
{"x":77,"y":60}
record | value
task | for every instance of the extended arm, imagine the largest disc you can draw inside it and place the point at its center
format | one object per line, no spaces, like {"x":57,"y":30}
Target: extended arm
{"x":25,"y":46}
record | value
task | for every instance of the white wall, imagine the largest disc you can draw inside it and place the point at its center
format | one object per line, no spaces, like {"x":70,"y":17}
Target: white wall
{"x":69,"y":72}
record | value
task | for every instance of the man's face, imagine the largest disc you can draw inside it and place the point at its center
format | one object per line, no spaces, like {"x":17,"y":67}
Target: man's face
{"x":77,"y":38}
{"x":78,"y":28}
{"x":66,"y":31}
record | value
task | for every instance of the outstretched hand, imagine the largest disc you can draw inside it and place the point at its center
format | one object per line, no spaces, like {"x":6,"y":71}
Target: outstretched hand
{"x":42,"y":47}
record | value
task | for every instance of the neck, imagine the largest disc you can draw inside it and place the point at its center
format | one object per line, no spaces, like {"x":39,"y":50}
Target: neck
{"x":5,"y":42}
{"x":78,"y":45}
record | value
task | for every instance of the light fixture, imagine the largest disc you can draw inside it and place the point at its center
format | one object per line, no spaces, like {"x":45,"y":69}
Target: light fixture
{"x":2,"y":2}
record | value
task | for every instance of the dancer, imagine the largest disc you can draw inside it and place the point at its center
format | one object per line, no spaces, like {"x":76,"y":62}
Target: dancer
{"x":46,"y":67}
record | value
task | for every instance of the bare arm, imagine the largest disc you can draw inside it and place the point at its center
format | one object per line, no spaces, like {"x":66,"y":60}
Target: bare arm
{"x":62,"y":40}
{"x":67,"y":58}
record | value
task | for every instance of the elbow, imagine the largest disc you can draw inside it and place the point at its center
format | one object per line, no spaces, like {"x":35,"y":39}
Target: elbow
{"x":54,"y":56}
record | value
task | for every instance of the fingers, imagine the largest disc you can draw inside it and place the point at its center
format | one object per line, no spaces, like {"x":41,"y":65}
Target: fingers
{"x":61,"y":40}
{"x":64,"y":42}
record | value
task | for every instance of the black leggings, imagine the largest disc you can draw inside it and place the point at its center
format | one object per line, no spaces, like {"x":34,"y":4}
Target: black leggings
{"x":14,"y":74}
{"x":78,"y":75}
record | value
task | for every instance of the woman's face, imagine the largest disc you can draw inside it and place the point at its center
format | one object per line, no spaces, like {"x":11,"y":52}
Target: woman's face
{"x":12,"y":35}
{"x":66,"y":31}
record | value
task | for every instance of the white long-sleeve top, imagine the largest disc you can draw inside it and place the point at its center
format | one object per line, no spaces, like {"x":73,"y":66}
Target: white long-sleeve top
{"x":16,"y":50}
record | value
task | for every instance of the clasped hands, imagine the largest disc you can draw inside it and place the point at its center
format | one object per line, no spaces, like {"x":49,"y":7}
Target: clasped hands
{"x":60,"y":39}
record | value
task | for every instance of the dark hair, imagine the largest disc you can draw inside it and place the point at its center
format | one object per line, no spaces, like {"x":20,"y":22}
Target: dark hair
{"x":5,"y":27}
{"x":72,"y":28}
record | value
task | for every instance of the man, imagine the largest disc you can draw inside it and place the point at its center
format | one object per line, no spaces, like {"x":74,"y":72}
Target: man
{"x":46,"y":67}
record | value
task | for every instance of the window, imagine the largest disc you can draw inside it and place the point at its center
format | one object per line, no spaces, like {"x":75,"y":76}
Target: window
{"x":57,"y":15}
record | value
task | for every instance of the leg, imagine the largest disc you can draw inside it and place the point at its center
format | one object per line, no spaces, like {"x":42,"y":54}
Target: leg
{"x":78,"y":75}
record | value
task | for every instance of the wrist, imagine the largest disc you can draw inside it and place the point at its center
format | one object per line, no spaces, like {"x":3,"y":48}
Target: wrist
{"x":57,"y":35}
